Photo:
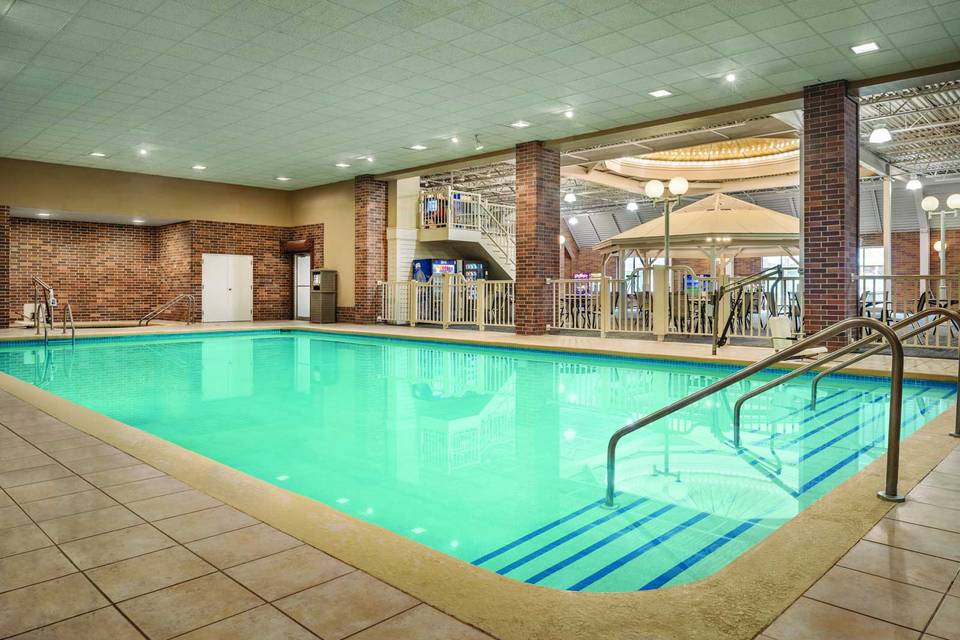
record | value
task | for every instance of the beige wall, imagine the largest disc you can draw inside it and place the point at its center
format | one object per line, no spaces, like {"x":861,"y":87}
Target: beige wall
{"x":157,"y":199}
{"x":331,"y":205}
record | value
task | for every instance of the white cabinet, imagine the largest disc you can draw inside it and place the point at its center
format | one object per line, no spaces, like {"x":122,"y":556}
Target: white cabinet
{"x":227,"y":288}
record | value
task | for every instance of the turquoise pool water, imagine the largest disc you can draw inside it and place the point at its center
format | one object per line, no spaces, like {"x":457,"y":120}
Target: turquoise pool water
{"x":495,"y":456}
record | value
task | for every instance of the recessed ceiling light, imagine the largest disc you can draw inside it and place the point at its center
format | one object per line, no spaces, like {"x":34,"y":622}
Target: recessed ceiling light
{"x":454,"y":139}
{"x":200,"y":167}
{"x":143,"y":152}
{"x":369,"y":158}
{"x":342,"y":165}
{"x":43,"y":214}
{"x":137,"y":221}
{"x":98,"y":154}
{"x":283,"y":178}
{"x":417,"y":147}
{"x":568,"y":113}
{"x":632,"y":206}
{"x":570,"y":197}
{"x":730,"y":77}
{"x":880,"y":135}
{"x":660,"y":93}
{"x":866,"y":47}
{"x":520,"y":124}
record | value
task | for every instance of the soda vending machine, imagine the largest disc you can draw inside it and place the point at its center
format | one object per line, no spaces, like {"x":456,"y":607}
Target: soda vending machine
{"x":424,"y":268}
{"x":473,"y":269}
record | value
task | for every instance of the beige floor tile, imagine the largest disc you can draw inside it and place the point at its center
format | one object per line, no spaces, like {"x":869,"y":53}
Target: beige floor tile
{"x":173,"y":504}
{"x":41,"y":435}
{"x":76,"y":442}
{"x":10,"y":451}
{"x":90,"y":523}
{"x":422,"y":623}
{"x":115,"y":546}
{"x":67,"y":505}
{"x":345,"y":605}
{"x":942,"y":480}
{"x":157,"y":570}
{"x":811,"y":620}
{"x":34,"y":474}
{"x":23,"y":538}
{"x":101,"y":463}
{"x":950,"y":464}
{"x":287,"y":572}
{"x":935,"y":496}
{"x":946,"y":623}
{"x":203,"y":524}
{"x":106,"y":623}
{"x":188,"y":605}
{"x":32,"y":567}
{"x":122,"y":475}
{"x":82,"y":453}
{"x":143,"y":489}
{"x":955,"y":589}
{"x":935,"y":542}
{"x":12,"y":516}
{"x":26,"y":462}
{"x":5,"y":500}
{"x":895,"y":602}
{"x":927,"y":515}
{"x":47,"y":602}
{"x":899,"y":564}
{"x":262,"y":623}
{"x":243,"y":545}
{"x":49,"y":489}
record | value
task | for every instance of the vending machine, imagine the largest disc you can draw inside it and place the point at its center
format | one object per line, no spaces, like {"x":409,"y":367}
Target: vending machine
{"x":424,"y":268}
{"x":473,"y":269}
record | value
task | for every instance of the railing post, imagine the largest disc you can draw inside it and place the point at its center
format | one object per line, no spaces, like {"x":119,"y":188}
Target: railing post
{"x":481,"y":304}
{"x":412,"y":302}
{"x":446,"y":298}
{"x":661,"y":290}
{"x":604,"y":304}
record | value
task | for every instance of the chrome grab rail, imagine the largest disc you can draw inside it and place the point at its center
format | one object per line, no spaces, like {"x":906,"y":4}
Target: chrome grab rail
{"x":68,"y":313}
{"x":896,"y":396}
{"x":827,"y":358}
{"x":776,"y":270}
{"x":48,"y":301}
{"x":945,"y":314}
{"x":189,"y":297}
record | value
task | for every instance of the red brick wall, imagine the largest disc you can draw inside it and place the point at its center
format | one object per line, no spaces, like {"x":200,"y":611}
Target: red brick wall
{"x":105,"y":271}
{"x":831,"y":197}
{"x":4,"y":264}
{"x":746,"y":266}
{"x":370,"y":246}
{"x":538,"y":230}
{"x":174,"y":245}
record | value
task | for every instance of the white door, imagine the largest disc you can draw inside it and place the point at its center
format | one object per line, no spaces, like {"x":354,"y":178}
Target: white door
{"x":301,"y":286}
{"x":227,"y":288}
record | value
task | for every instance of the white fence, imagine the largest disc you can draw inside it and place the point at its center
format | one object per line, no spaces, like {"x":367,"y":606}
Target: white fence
{"x":890,"y":299}
{"x":447,"y":300}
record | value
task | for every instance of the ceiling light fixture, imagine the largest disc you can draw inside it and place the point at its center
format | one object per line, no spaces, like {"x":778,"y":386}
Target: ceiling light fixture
{"x":455,"y":140}
{"x":880,"y":135}
{"x":569,"y":114}
{"x":660,"y":93}
{"x":730,"y":77}
{"x":43,"y":214}
{"x":573,"y":220}
{"x":866,"y":47}
{"x":914,"y":183}
{"x":200,"y":167}
{"x":632,"y":206}
{"x":98,"y":154}
{"x":143,"y":152}
{"x":930,"y":203}
{"x":369,"y":158}
{"x":283,"y":178}
{"x":417,"y":147}
{"x":520,"y":124}
{"x":137,"y":221}
{"x":342,"y":165}
{"x":570,"y":197}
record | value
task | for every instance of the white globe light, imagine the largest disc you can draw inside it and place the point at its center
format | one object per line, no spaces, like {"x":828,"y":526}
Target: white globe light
{"x":678,"y":185}
{"x":930,"y":203}
{"x":913,"y":184}
{"x":570,"y":197}
{"x":632,"y":206}
{"x":563,"y":240}
{"x":653,"y":189}
{"x":938,"y":246}
{"x":953,"y":201}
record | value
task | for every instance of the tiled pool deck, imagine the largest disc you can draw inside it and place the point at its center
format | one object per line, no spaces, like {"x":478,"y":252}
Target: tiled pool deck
{"x":96,"y":544}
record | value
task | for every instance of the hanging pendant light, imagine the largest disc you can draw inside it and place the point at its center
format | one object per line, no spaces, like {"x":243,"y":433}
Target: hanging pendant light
{"x":880,"y":135}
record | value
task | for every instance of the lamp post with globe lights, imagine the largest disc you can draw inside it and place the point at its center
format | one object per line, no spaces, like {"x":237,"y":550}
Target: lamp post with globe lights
{"x":669,"y":196}
{"x":930,"y":204}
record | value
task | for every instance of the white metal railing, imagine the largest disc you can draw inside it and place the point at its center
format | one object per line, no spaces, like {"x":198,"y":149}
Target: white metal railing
{"x":690,"y":302}
{"x":456,"y":209}
{"x":448,"y":299}
{"x":890,"y":299}
{"x":749,"y":309}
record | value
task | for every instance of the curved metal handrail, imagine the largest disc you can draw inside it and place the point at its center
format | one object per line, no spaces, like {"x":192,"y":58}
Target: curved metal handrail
{"x":68,"y":314}
{"x":738,"y":405}
{"x":896,"y":395}
{"x":945,"y":314}
{"x":145,"y":320}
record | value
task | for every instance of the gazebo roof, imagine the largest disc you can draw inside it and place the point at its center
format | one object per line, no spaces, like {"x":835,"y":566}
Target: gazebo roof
{"x":716,"y":221}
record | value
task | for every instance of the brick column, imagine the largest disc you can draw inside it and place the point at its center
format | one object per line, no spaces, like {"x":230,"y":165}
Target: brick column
{"x":538,"y":233}
{"x":831,"y":205}
{"x":4,"y":266}
{"x":370,"y":245}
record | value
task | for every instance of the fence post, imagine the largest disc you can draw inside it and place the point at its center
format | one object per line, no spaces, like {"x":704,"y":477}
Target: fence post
{"x":445,"y":300}
{"x":412,"y":303}
{"x":604,"y":304}
{"x":723,"y":313}
{"x":481,"y":304}
{"x":661,"y":289}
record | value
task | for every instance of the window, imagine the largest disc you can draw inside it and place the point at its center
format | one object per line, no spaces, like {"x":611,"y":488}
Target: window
{"x":772,"y":261}
{"x":635,"y":280}
{"x":872,"y":282}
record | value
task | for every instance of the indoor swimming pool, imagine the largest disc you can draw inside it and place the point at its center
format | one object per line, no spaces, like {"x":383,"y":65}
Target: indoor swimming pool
{"x":494,"y":455}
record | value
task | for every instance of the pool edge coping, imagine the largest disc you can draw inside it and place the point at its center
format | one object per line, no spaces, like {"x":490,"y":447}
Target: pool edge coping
{"x":818,"y":537}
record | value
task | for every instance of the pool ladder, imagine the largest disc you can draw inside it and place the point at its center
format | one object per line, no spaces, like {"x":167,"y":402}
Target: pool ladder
{"x":883,"y":331}
{"x":191,"y":303}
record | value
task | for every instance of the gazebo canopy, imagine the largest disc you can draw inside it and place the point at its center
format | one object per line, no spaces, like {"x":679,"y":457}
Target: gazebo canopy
{"x":718,"y":225}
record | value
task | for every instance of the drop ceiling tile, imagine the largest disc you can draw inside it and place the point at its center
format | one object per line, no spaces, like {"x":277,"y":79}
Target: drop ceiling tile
{"x":33,"y":13}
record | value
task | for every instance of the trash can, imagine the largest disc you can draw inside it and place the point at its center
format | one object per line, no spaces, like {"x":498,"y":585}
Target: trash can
{"x":323,"y":296}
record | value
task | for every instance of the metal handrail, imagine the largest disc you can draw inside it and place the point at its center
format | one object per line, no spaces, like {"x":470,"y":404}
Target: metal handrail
{"x":48,"y":301}
{"x":945,"y":315}
{"x":738,"y":405}
{"x":896,"y":396}
{"x":145,"y":320}
{"x":729,"y":288}
{"x":68,"y":313}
